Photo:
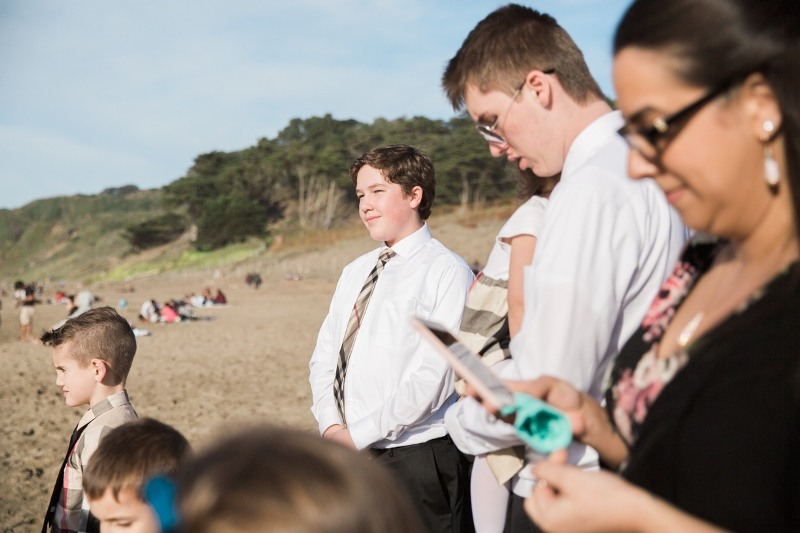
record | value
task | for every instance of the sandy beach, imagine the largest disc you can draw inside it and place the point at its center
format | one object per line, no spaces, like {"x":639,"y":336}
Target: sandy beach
{"x":244,"y":362}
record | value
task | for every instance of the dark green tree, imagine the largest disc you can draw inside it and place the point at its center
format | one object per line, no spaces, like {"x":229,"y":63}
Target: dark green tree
{"x":228,"y":219}
{"x":155,"y":231}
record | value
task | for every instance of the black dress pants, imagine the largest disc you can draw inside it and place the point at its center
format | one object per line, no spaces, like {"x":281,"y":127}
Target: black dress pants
{"x":435,"y":475}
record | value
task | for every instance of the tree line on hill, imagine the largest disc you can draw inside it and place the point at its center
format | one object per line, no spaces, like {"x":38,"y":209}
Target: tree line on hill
{"x":296,"y":181}
{"x":299,"y":179}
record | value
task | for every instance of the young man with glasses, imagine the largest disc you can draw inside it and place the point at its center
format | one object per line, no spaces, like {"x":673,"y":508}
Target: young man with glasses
{"x":607,"y":243}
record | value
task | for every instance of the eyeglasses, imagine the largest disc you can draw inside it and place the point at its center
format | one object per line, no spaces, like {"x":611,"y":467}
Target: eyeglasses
{"x":652,"y":141}
{"x":487,"y":130}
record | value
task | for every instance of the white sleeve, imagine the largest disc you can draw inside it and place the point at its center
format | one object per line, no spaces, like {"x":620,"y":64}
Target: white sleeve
{"x":322,"y":366}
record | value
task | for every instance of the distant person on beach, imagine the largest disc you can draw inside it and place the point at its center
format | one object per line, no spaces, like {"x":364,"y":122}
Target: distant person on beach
{"x":253,"y":279}
{"x":377,"y":384}
{"x":19,"y":297}
{"x":607,"y":242}
{"x":125,"y":460}
{"x":169,"y":313}
{"x":208,"y":298}
{"x":175,"y":311}
{"x":150,"y":311}
{"x":84,"y":301}
{"x":196,"y":300}
{"x":92,"y":354}
{"x":76,"y":304}
{"x":25,"y":301}
{"x":220,"y":298}
{"x":287,"y":480}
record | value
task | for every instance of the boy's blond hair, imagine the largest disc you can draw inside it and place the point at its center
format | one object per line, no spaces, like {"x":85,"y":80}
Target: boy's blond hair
{"x":99,"y":333}
{"x":132,"y":454}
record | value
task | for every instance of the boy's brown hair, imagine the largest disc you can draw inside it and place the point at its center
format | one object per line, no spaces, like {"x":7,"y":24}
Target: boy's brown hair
{"x":99,"y":333}
{"x":509,"y":43}
{"x":404,"y":165}
{"x":133,"y":453}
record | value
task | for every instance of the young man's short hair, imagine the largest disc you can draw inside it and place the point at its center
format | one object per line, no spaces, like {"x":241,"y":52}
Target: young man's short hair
{"x":404,"y":165}
{"x":133,"y":453}
{"x":99,"y":333}
{"x":510,"y":42}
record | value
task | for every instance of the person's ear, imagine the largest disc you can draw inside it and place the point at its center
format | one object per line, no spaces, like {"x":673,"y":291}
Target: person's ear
{"x":540,"y":86}
{"x":416,"y":196}
{"x":99,"y":368}
{"x":762,"y":107}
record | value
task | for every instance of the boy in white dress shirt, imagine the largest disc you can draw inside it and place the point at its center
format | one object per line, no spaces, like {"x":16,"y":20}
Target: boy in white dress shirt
{"x":387,"y":390}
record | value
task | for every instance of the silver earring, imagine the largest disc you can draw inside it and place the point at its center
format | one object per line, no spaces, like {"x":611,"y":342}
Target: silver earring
{"x":772,"y":174}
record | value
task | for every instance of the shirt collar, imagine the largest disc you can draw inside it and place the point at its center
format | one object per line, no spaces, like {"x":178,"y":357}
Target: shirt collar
{"x":410,"y":245}
{"x":592,"y":138}
{"x":104,"y":405}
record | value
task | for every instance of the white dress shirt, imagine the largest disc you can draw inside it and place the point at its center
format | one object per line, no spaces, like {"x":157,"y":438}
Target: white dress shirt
{"x":397,"y":386}
{"x":607,"y":244}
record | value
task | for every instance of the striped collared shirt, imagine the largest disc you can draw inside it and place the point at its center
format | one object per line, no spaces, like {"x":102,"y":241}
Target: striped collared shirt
{"x":72,"y":510}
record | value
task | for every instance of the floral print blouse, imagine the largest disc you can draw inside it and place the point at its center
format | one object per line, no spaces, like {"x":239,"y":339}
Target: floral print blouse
{"x":638,"y":375}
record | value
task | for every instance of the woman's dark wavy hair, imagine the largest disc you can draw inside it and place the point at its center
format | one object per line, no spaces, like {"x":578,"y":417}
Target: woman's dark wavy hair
{"x":717,"y":41}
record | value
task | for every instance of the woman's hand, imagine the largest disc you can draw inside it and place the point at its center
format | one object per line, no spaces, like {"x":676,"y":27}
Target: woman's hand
{"x":569,"y":499}
{"x":560,"y":395}
{"x":590,"y":423}
{"x":340,"y":434}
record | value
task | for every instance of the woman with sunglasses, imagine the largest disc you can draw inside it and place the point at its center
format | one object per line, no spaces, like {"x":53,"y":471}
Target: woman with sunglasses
{"x":702,"y":414}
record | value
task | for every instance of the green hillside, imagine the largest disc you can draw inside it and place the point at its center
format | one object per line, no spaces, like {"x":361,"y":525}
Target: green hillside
{"x":231,"y":205}
{"x":72,"y":237}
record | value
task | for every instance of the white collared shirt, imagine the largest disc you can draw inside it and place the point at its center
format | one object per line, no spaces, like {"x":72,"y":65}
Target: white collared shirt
{"x":397,"y":385}
{"x":607,"y":244}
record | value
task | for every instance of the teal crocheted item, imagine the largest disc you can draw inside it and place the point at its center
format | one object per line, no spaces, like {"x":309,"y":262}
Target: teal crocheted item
{"x":540,"y":425}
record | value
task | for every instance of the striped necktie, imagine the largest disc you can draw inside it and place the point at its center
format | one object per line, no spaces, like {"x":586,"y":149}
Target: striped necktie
{"x":59,"y":485}
{"x":359,"y":309}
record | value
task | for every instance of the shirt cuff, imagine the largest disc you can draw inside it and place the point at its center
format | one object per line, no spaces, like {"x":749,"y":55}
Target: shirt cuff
{"x":364,"y":433}
{"x":327,"y":418}
{"x":475,"y":431}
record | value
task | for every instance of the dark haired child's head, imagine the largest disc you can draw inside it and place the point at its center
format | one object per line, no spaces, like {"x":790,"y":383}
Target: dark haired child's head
{"x":395,"y":186}
{"x":283,"y":480}
{"x":405,"y":166}
{"x":92,"y":353}
{"x":125,"y":460}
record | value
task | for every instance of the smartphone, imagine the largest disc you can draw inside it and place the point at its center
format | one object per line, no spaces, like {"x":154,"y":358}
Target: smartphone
{"x":466,"y":363}
{"x":541,"y":426}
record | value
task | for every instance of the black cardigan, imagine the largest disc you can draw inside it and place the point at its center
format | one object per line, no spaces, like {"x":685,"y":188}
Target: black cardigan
{"x":722,"y":440}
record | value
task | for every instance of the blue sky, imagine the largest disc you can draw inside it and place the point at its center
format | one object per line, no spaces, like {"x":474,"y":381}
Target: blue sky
{"x":97,"y":93}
